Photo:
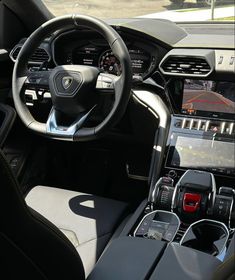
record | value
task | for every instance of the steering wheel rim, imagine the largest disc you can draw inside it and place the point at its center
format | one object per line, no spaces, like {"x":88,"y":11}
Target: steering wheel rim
{"x":121,"y":85}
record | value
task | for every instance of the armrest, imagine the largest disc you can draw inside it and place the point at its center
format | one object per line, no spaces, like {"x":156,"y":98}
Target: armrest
{"x":185,"y":264}
{"x":128,"y":258}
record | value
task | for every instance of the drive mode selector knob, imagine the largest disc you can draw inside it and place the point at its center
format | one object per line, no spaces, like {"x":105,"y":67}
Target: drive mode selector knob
{"x":163,"y":193}
{"x":223,"y":207}
{"x":165,"y":197}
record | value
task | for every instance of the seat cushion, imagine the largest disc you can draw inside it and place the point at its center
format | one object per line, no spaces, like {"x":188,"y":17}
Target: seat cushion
{"x":88,"y":221}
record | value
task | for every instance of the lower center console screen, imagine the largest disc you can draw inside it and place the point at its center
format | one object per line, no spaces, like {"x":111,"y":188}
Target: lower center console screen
{"x":202,"y":153}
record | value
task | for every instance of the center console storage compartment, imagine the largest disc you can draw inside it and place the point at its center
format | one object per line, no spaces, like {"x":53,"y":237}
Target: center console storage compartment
{"x":179,"y":262}
{"x":128,"y":258}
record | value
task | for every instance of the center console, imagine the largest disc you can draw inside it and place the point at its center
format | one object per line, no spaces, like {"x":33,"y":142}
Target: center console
{"x":185,"y":230}
{"x":191,"y":212}
{"x":189,"y":217}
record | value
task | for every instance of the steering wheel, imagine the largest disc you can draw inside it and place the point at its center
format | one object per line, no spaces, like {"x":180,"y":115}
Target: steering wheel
{"x":74,"y":89}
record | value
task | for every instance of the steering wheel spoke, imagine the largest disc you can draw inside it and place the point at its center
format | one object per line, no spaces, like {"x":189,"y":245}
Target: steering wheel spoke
{"x":65,"y":132}
{"x":107,"y":84}
{"x":38,"y":80}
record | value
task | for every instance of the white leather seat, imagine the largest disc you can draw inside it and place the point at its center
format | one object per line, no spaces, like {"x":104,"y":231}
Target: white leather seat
{"x":87,"y":220}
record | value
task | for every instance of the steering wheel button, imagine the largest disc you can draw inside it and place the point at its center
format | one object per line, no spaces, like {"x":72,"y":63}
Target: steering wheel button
{"x":106,"y":85}
{"x":44,"y":81}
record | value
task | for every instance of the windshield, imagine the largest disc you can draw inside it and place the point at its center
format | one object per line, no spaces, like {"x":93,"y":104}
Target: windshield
{"x":175,"y":10}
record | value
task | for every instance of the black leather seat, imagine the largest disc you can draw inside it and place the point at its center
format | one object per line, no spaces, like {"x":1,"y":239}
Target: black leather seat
{"x":34,"y":248}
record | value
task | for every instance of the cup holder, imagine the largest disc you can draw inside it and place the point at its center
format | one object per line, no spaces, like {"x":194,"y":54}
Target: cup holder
{"x":208,"y":236}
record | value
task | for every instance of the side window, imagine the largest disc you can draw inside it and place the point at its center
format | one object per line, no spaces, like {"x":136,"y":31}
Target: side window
{"x":11,"y":28}
{"x":11,"y":31}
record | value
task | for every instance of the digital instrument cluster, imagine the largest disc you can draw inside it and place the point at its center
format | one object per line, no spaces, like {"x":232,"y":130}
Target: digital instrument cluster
{"x":92,"y":55}
{"x":96,"y":52}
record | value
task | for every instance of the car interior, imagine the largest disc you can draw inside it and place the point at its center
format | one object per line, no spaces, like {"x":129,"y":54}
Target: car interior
{"x":117,"y":147}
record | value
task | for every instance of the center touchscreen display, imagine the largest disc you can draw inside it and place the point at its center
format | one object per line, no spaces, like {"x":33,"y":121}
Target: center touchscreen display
{"x":208,"y":96}
{"x":203,"y":153}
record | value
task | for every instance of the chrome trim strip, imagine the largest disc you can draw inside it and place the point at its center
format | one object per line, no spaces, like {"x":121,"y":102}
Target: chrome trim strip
{"x":54,"y":129}
{"x":199,"y":124}
{"x":173,"y":202}
{"x":223,"y":127}
{"x":231,"y":128}
{"x":213,"y":193}
{"x":207,"y":125}
{"x":191,"y":124}
{"x":155,"y":190}
{"x":230,"y":214}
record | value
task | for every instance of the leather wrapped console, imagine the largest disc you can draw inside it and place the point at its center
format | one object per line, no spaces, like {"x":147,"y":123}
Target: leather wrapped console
{"x":179,"y":262}
{"x":128,"y":258}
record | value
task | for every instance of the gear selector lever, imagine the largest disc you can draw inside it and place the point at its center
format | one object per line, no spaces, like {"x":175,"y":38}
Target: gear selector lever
{"x":194,"y":195}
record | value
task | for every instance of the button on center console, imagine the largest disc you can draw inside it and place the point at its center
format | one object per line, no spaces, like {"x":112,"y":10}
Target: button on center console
{"x":191,"y":202}
{"x":159,"y":225}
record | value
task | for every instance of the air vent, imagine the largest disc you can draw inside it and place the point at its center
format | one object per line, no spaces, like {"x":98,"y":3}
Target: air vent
{"x":39,"y":56}
{"x":186,"y":65}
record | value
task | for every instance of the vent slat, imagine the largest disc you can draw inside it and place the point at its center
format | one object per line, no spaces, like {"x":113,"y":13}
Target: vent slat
{"x":186,"y":65}
{"x":40,"y":55}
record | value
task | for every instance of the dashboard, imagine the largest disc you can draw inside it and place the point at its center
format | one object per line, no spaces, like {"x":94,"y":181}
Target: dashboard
{"x":197,"y":76}
{"x":89,"y":48}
